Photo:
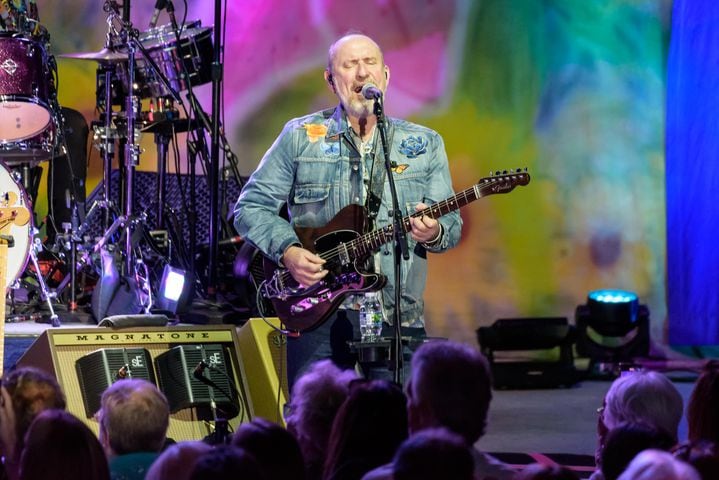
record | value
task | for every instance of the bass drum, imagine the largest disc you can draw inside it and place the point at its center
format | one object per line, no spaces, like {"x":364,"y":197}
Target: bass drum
{"x":15,"y":225}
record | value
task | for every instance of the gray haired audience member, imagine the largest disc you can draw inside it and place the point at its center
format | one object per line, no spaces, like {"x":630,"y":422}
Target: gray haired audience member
{"x":316,"y":397}
{"x":431,"y":454}
{"x":645,"y":397}
{"x":177,"y":461}
{"x":658,"y":465}
{"x":451,"y":387}
{"x":133,"y":416}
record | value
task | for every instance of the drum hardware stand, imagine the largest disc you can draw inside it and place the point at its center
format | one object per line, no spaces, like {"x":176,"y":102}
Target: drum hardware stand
{"x":45,"y":293}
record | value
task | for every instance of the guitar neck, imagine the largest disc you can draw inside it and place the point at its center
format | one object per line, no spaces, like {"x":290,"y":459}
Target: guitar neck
{"x":3,"y":289}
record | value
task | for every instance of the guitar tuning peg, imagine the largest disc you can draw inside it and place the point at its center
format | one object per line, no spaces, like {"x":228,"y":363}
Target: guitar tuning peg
{"x":505,"y":172}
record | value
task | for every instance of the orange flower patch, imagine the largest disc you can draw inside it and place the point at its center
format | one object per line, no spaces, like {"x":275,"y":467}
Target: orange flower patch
{"x":315,"y":131}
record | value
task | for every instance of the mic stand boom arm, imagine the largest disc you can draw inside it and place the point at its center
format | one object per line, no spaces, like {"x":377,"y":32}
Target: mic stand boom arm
{"x":401,"y":250}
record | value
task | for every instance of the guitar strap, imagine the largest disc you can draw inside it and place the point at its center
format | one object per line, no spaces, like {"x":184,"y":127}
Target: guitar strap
{"x":377,"y":176}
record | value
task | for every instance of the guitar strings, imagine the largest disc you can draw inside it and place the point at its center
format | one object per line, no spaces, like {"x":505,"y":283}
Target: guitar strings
{"x":382,"y":234}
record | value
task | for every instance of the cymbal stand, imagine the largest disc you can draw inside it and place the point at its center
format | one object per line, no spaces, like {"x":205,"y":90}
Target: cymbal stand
{"x":75,"y":234}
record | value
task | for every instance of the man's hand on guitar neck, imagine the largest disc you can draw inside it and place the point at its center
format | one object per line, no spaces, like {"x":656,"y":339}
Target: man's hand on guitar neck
{"x":424,"y":229}
{"x":304,"y":266}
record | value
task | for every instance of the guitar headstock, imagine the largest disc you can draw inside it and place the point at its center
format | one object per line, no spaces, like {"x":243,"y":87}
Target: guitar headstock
{"x":503,"y":181}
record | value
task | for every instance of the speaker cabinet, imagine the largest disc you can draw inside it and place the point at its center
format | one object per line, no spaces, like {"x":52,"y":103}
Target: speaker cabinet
{"x":58,"y":352}
{"x":180,"y":372}
{"x":99,"y":369}
{"x":264,"y":354}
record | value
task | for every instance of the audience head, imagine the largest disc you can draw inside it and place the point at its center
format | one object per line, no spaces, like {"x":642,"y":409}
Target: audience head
{"x":431,"y":454}
{"x":226,"y":462}
{"x":177,"y":461}
{"x":537,"y":471}
{"x":703,"y":455}
{"x":133,"y":416}
{"x":450,"y":386}
{"x":31,"y":391}
{"x":702,"y":411}
{"x":268,"y":442}
{"x":60,"y":446}
{"x":316,"y":397}
{"x":625,"y":441}
{"x":369,"y":427}
{"x":646,"y":397}
{"x":658,"y":465}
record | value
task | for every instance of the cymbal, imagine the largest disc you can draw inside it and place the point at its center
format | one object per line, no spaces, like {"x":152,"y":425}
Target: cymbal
{"x":104,"y":56}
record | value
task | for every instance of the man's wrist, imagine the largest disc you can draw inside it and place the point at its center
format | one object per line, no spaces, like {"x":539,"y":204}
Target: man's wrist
{"x":282,"y":257}
{"x":436,"y":240}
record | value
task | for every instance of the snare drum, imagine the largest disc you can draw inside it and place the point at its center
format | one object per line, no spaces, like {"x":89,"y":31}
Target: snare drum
{"x":194,"y":52}
{"x":16,"y":221}
{"x":26,"y":120}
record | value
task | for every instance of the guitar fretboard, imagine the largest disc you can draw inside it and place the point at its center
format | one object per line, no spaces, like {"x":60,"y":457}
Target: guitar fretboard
{"x":369,"y":242}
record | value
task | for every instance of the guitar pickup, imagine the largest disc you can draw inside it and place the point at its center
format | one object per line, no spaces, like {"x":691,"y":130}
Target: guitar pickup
{"x":343,"y":254}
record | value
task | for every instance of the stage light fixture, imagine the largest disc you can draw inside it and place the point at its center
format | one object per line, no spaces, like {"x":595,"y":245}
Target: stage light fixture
{"x":174,"y":289}
{"x":612,"y":327}
{"x":531,"y":352}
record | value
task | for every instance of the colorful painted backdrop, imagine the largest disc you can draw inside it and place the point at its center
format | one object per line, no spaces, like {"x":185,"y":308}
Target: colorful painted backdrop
{"x":571,"y":89}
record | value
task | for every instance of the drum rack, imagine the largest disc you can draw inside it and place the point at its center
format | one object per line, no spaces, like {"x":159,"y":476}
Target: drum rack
{"x":129,"y":71}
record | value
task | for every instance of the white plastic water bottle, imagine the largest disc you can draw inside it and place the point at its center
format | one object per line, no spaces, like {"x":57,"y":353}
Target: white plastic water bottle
{"x":370,"y":317}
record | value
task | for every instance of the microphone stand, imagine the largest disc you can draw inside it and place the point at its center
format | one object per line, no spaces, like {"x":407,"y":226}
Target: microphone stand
{"x":401,"y":250}
{"x":214,"y":172}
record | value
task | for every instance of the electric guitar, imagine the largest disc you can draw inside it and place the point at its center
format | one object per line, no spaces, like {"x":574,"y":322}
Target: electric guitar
{"x":346,"y":252}
{"x":10,"y":214}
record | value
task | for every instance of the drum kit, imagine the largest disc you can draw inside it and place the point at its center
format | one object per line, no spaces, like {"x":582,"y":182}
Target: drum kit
{"x":133,"y":69}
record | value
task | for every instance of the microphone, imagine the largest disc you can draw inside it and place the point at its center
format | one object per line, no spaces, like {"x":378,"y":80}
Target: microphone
{"x":123,"y":372}
{"x":199,"y":371}
{"x":159,"y":5}
{"x":370,"y":91}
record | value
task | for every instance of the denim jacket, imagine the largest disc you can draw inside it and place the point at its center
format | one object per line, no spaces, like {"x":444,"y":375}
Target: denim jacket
{"x":316,"y":168}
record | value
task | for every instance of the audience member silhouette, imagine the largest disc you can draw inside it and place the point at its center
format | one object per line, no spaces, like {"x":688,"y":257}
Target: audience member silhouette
{"x":703,"y":455}
{"x":133,"y":416}
{"x":275,"y":449}
{"x":625,"y":441}
{"x":59,"y":446}
{"x":451,"y":386}
{"x":227,"y":462}
{"x":369,"y":427}
{"x":537,"y":471}
{"x":26,"y":392}
{"x":658,"y":465}
{"x":703,"y":405}
{"x":177,"y":461}
{"x":431,"y":454}
{"x":645,"y":397}
{"x":316,"y":397}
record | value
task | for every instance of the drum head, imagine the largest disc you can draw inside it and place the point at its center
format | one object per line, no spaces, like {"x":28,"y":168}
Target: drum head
{"x":15,"y":221}
{"x":20,"y":120}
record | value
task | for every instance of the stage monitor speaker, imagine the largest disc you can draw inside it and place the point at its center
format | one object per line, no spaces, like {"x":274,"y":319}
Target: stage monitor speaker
{"x":264,"y":354}
{"x":177,"y":372}
{"x":57,"y":351}
{"x":99,"y":369}
{"x":530,"y":352}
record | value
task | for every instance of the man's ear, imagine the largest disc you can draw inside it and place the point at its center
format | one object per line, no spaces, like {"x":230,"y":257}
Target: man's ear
{"x":330,"y":81}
